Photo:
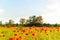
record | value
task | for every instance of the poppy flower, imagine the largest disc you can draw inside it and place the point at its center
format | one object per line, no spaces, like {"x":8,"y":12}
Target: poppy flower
{"x":58,"y":30}
{"x":26,"y":34}
{"x":33,"y":27}
{"x":11,"y":39}
{"x":33,"y":34}
{"x":17,"y":30}
{"x":23,"y":31}
{"x":45,"y":31}
{"x":20,"y":37}
{"x":41,"y":30}
{"x":50,"y":30}
{"x":57,"y":27}
{"x":15,"y":34}
{"x":17,"y":39}
{"x":14,"y":30}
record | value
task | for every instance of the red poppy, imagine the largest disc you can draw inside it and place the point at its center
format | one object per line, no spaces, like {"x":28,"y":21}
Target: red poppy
{"x":14,"y":30}
{"x":45,"y":31}
{"x":58,"y":30}
{"x":26,"y":33}
{"x":41,"y":30}
{"x":17,"y":30}
{"x":20,"y":37}
{"x":33,"y":34}
{"x":33,"y":26}
{"x":17,"y":39}
{"x":50,"y":30}
{"x":15,"y":34}
{"x":11,"y":39}
{"x":57,"y":27}
{"x":23,"y":31}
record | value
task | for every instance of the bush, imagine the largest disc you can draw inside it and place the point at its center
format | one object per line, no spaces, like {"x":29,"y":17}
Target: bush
{"x":33,"y":23}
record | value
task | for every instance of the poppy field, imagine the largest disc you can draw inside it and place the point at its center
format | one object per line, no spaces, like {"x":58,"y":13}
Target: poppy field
{"x":30,"y":33}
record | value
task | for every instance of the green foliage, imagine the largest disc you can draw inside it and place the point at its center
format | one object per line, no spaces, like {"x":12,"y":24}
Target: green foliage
{"x":33,"y":20}
{"x":4,"y":32}
{"x":20,"y":27}
{"x":22,"y":21}
{"x":33,"y":23}
{"x":55,"y":25}
{"x":16,"y":24}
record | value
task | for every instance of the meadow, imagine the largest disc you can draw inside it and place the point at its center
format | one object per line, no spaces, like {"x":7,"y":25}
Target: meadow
{"x":30,"y":33}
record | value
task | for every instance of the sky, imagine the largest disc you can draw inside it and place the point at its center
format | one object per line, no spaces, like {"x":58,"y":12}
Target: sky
{"x":16,"y":9}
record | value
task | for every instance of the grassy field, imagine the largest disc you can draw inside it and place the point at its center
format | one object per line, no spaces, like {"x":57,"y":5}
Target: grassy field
{"x":27,"y":33}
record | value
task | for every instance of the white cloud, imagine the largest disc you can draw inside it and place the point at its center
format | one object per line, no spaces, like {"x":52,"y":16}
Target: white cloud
{"x":1,"y":18}
{"x":1,"y":11}
{"x":52,"y":11}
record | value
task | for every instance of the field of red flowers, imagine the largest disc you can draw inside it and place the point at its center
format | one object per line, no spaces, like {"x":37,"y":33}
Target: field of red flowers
{"x":30,"y":33}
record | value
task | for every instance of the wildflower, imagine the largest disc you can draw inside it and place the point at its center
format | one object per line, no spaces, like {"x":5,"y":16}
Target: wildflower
{"x":33,"y":34}
{"x":17,"y":30}
{"x":11,"y":39}
{"x":3,"y":35}
{"x":35,"y":39}
{"x":50,"y":30}
{"x":14,"y":30}
{"x":17,"y":39}
{"x":26,"y":33}
{"x":58,"y":30}
{"x":20,"y":37}
{"x":45,"y":30}
{"x":23,"y":31}
{"x":15,"y":34}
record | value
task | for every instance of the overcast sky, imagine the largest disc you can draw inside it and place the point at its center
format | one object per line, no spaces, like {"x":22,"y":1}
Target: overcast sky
{"x":16,"y":9}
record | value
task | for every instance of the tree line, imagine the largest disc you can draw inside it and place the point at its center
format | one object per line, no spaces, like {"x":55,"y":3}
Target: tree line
{"x":31,"y":21}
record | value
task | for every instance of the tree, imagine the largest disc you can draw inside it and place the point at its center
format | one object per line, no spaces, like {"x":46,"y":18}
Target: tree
{"x":55,"y":25}
{"x":11,"y":21}
{"x":6,"y":23}
{"x":22,"y":21}
{"x":33,"y":20}
{"x":39,"y":20}
{"x":44,"y":24}
{"x":16,"y":24}
{"x":0,"y":23}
